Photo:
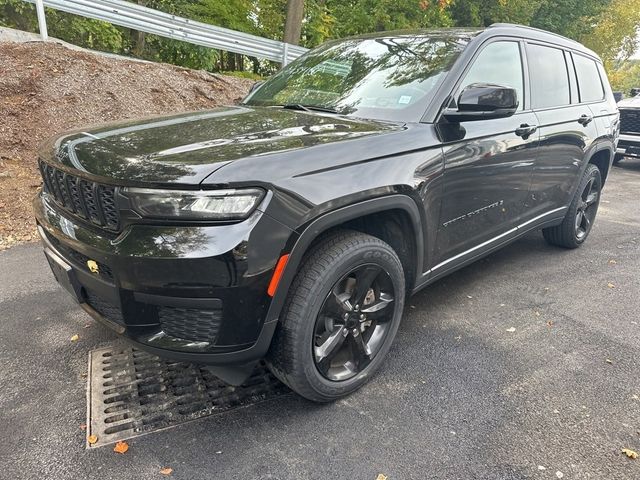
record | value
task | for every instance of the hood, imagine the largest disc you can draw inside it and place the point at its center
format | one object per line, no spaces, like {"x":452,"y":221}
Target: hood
{"x":633,"y":102}
{"x":187,"y":148}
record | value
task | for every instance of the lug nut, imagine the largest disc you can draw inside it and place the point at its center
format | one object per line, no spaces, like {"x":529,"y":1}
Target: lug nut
{"x":362,"y":316}
{"x":345,"y":332}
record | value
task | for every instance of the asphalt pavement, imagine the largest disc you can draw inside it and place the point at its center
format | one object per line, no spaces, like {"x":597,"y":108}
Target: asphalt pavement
{"x":524,"y":365}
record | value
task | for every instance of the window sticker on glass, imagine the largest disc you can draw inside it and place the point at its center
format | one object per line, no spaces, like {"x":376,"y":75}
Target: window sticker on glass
{"x":404,"y":99}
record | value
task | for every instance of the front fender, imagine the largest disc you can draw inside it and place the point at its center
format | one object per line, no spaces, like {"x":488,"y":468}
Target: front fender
{"x":301,"y":242}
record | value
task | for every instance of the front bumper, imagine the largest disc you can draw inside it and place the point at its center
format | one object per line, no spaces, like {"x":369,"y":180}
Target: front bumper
{"x":188,"y":293}
{"x":629,"y":145}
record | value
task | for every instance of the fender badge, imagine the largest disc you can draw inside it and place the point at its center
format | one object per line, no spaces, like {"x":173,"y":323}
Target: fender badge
{"x":93,"y":266}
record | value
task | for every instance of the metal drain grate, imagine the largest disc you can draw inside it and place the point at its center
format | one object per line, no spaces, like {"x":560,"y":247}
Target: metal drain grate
{"x":132,"y":393}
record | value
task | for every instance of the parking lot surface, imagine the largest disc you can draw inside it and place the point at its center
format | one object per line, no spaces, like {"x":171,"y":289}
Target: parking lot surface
{"x":521,"y":366}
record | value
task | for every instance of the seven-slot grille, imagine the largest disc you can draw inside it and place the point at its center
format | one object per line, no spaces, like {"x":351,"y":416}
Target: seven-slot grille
{"x":630,"y":121}
{"x":91,"y":201}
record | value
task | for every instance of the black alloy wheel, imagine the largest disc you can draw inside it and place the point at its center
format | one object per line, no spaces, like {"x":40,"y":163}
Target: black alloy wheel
{"x":341,"y":315}
{"x":587,"y":208}
{"x":353,"y":322}
{"x":581,"y":214}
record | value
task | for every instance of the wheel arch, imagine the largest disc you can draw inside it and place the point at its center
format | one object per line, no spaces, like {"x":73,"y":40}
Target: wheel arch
{"x":352,"y":217}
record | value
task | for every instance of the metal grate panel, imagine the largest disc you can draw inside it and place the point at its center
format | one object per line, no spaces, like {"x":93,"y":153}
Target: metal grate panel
{"x":133,"y":393}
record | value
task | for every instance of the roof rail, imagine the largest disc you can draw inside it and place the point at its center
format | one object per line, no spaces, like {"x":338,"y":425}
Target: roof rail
{"x":493,"y":25}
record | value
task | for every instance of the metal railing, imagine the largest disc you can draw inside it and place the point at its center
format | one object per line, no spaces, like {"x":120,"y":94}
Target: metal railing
{"x":137,"y":17}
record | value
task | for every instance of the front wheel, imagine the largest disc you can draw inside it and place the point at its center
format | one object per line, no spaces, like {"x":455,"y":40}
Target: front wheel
{"x":340,"y":318}
{"x":578,"y":221}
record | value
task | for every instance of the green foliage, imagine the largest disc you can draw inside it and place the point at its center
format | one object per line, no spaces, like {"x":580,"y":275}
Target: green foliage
{"x":607,"y":26}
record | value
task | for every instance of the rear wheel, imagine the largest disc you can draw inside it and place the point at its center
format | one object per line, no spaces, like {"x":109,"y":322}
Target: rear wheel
{"x":577,"y":223}
{"x":340,"y":318}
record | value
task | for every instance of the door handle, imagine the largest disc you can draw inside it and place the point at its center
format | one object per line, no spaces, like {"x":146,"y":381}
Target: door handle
{"x":525,"y":130}
{"x":585,"y":119}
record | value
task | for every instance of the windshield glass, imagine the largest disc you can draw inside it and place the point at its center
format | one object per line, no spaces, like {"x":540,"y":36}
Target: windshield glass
{"x":387,"y":78}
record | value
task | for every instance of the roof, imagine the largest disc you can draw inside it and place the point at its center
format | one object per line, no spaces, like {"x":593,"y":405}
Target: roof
{"x":497,"y":29}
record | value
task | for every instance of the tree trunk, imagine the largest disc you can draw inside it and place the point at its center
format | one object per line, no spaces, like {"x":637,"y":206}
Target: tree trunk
{"x":293,"y":24}
{"x":138,"y":38}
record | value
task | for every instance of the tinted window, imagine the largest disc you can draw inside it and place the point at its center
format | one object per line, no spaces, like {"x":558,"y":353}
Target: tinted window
{"x":548,"y":73}
{"x":588,"y":79}
{"x":498,"y":63}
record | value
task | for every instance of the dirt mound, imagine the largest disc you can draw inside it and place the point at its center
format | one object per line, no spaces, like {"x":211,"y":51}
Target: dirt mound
{"x":46,"y":88}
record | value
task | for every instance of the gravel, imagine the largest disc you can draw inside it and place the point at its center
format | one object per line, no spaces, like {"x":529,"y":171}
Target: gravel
{"x":46,"y":88}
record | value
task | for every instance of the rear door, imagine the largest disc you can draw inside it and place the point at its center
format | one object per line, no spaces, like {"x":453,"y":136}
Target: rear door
{"x":488,"y":163}
{"x":566,"y":129}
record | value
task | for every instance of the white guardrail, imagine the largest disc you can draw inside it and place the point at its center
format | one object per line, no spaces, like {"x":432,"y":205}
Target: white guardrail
{"x":131,"y":15}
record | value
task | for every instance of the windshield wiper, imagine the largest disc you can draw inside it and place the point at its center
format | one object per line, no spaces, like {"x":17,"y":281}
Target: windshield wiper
{"x":309,"y":108}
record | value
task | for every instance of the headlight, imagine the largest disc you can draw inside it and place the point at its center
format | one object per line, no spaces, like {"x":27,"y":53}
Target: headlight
{"x":194,"y":205}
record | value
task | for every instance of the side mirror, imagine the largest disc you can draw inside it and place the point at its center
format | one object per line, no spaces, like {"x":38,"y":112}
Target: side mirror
{"x":480,"y":101}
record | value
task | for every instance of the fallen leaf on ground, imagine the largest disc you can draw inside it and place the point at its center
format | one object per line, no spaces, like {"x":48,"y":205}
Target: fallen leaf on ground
{"x":92,"y":439}
{"x":83,"y":426}
{"x":381,"y":477}
{"x":550,"y":323}
{"x":537,"y":313}
{"x":559,"y":474}
{"x":608,"y":360}
{"x":511,"y":330}
{"x":75,"y":338}
{"x":612,"y":262}
{"x":630,"y":453}
{"x":121,"y":447}
{"x":86,"y":325}
{"x":611,"y":285}
{"x":166,"y":471}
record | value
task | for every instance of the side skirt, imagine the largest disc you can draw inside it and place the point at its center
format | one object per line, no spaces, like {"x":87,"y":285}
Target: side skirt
{"x":463,"y":259}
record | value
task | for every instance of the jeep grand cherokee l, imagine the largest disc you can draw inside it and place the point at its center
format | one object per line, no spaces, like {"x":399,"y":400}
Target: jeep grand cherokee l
{"x":292,"y":227}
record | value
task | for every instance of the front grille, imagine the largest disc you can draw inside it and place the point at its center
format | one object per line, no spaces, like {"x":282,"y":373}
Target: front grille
{"x":89,"y":200}
{"x":630,"y":121}
{"x":103,"y":307}
{"x":191,"y":323}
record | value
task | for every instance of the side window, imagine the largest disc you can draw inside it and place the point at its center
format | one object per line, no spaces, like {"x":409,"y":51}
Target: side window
{"x":498,"y":63}
{"x":588,"y":79}
{"x":548,"y":74}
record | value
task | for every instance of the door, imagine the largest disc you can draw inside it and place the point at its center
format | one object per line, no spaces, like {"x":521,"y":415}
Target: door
{"x":566,"y":128}
{"x":488,"y":163}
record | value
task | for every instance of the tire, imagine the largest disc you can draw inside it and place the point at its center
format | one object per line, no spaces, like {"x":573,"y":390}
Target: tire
{"x":340,"y":260}
{"x":616,"y":158}
{"x":577,"y":223}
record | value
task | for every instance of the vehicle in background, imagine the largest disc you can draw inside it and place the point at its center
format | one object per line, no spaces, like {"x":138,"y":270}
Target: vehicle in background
{"x":629,"y":141}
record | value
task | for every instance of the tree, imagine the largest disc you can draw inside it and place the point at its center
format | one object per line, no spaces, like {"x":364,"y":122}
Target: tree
{"x":293,"y":23}
{"x":615,"y":35}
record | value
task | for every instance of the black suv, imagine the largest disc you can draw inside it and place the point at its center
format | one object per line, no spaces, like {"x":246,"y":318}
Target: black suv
{"x":293,"y":226}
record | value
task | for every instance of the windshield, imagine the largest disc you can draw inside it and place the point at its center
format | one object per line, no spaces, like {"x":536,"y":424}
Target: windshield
{"x":387,"y":78}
